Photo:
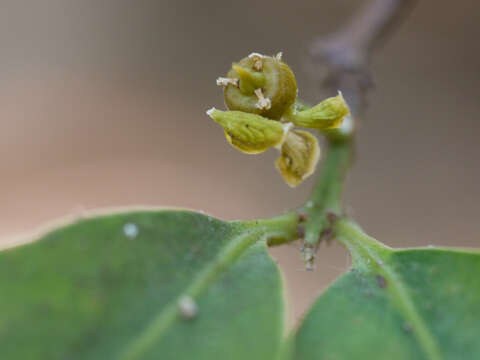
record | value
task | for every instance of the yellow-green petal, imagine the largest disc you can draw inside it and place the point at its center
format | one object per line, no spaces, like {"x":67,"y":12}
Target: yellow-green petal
{"x":328,"y":114}
{"x":299,"y":157}
{"x":250,"y":133}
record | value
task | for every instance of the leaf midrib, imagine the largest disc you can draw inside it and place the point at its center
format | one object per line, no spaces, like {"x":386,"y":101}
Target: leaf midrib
{"x":147,"y":338}
{"x":403,"y":300}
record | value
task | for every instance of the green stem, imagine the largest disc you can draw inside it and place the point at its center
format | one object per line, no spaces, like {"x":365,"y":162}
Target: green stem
{"x":365,"y":250}
{"x":327,"y":194}
{"x":278,"y":230}
{"x":325,"y":200}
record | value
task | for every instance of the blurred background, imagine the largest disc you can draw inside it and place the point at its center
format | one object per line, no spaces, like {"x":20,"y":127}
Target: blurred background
{"x":102,"y":103}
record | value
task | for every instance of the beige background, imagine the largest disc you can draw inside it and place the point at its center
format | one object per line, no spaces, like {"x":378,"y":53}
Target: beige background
{"x":102,"y":103}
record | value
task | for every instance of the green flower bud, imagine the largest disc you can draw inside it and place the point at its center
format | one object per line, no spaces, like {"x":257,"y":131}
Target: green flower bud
{"x":299,"y":157}
{"x":250,"y":133}
{"x":328,"y":114}
{"x":266,"y":86}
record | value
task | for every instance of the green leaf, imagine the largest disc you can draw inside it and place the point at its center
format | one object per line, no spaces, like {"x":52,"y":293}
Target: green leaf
{"x":396,"y":304}
{"x":142,"y":285}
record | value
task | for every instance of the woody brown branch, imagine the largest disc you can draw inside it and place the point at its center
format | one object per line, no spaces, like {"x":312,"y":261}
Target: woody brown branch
{"x":346,"y":54}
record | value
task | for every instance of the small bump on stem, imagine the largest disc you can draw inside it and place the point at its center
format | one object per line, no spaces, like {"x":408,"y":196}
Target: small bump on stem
{"x":300,"y":231}
{"x":309,"y":254}
{"x":302,"y":217}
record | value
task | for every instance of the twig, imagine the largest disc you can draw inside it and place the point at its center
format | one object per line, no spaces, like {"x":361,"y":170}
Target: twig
{"x":346,"y":56}
{"x":346,"y":53}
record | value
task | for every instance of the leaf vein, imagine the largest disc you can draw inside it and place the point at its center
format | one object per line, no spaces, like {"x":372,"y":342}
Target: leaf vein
{"x":147,"y":338}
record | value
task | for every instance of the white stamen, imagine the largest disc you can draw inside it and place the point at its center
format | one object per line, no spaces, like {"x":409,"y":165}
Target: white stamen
{"x":210,"y":112}
{"x":222,"y":81}
{"x":279,"y":56}
{"x":263,"y":102}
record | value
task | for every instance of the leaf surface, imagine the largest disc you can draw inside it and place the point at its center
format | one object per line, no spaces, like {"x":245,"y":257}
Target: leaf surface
{"x":397,"y":304}
{"x":142,"y":285}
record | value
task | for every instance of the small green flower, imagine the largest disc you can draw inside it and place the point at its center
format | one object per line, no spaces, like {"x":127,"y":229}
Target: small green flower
{"x":299,"y":157}
{"x":260,"y":84}
{"x":250,"y":133}
{"x":328,"y":114}
{"x":261,"y":92}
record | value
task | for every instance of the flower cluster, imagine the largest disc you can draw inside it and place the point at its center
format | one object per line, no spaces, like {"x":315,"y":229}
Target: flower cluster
{"x":261,"y":95}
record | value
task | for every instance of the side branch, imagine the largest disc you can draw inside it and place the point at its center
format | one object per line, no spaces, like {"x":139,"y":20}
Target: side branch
{"x":345,"y":55}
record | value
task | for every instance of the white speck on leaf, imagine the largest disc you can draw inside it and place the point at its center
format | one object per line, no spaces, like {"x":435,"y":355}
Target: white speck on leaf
{"x":188,"y":308}
{"x":130,"y":230}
